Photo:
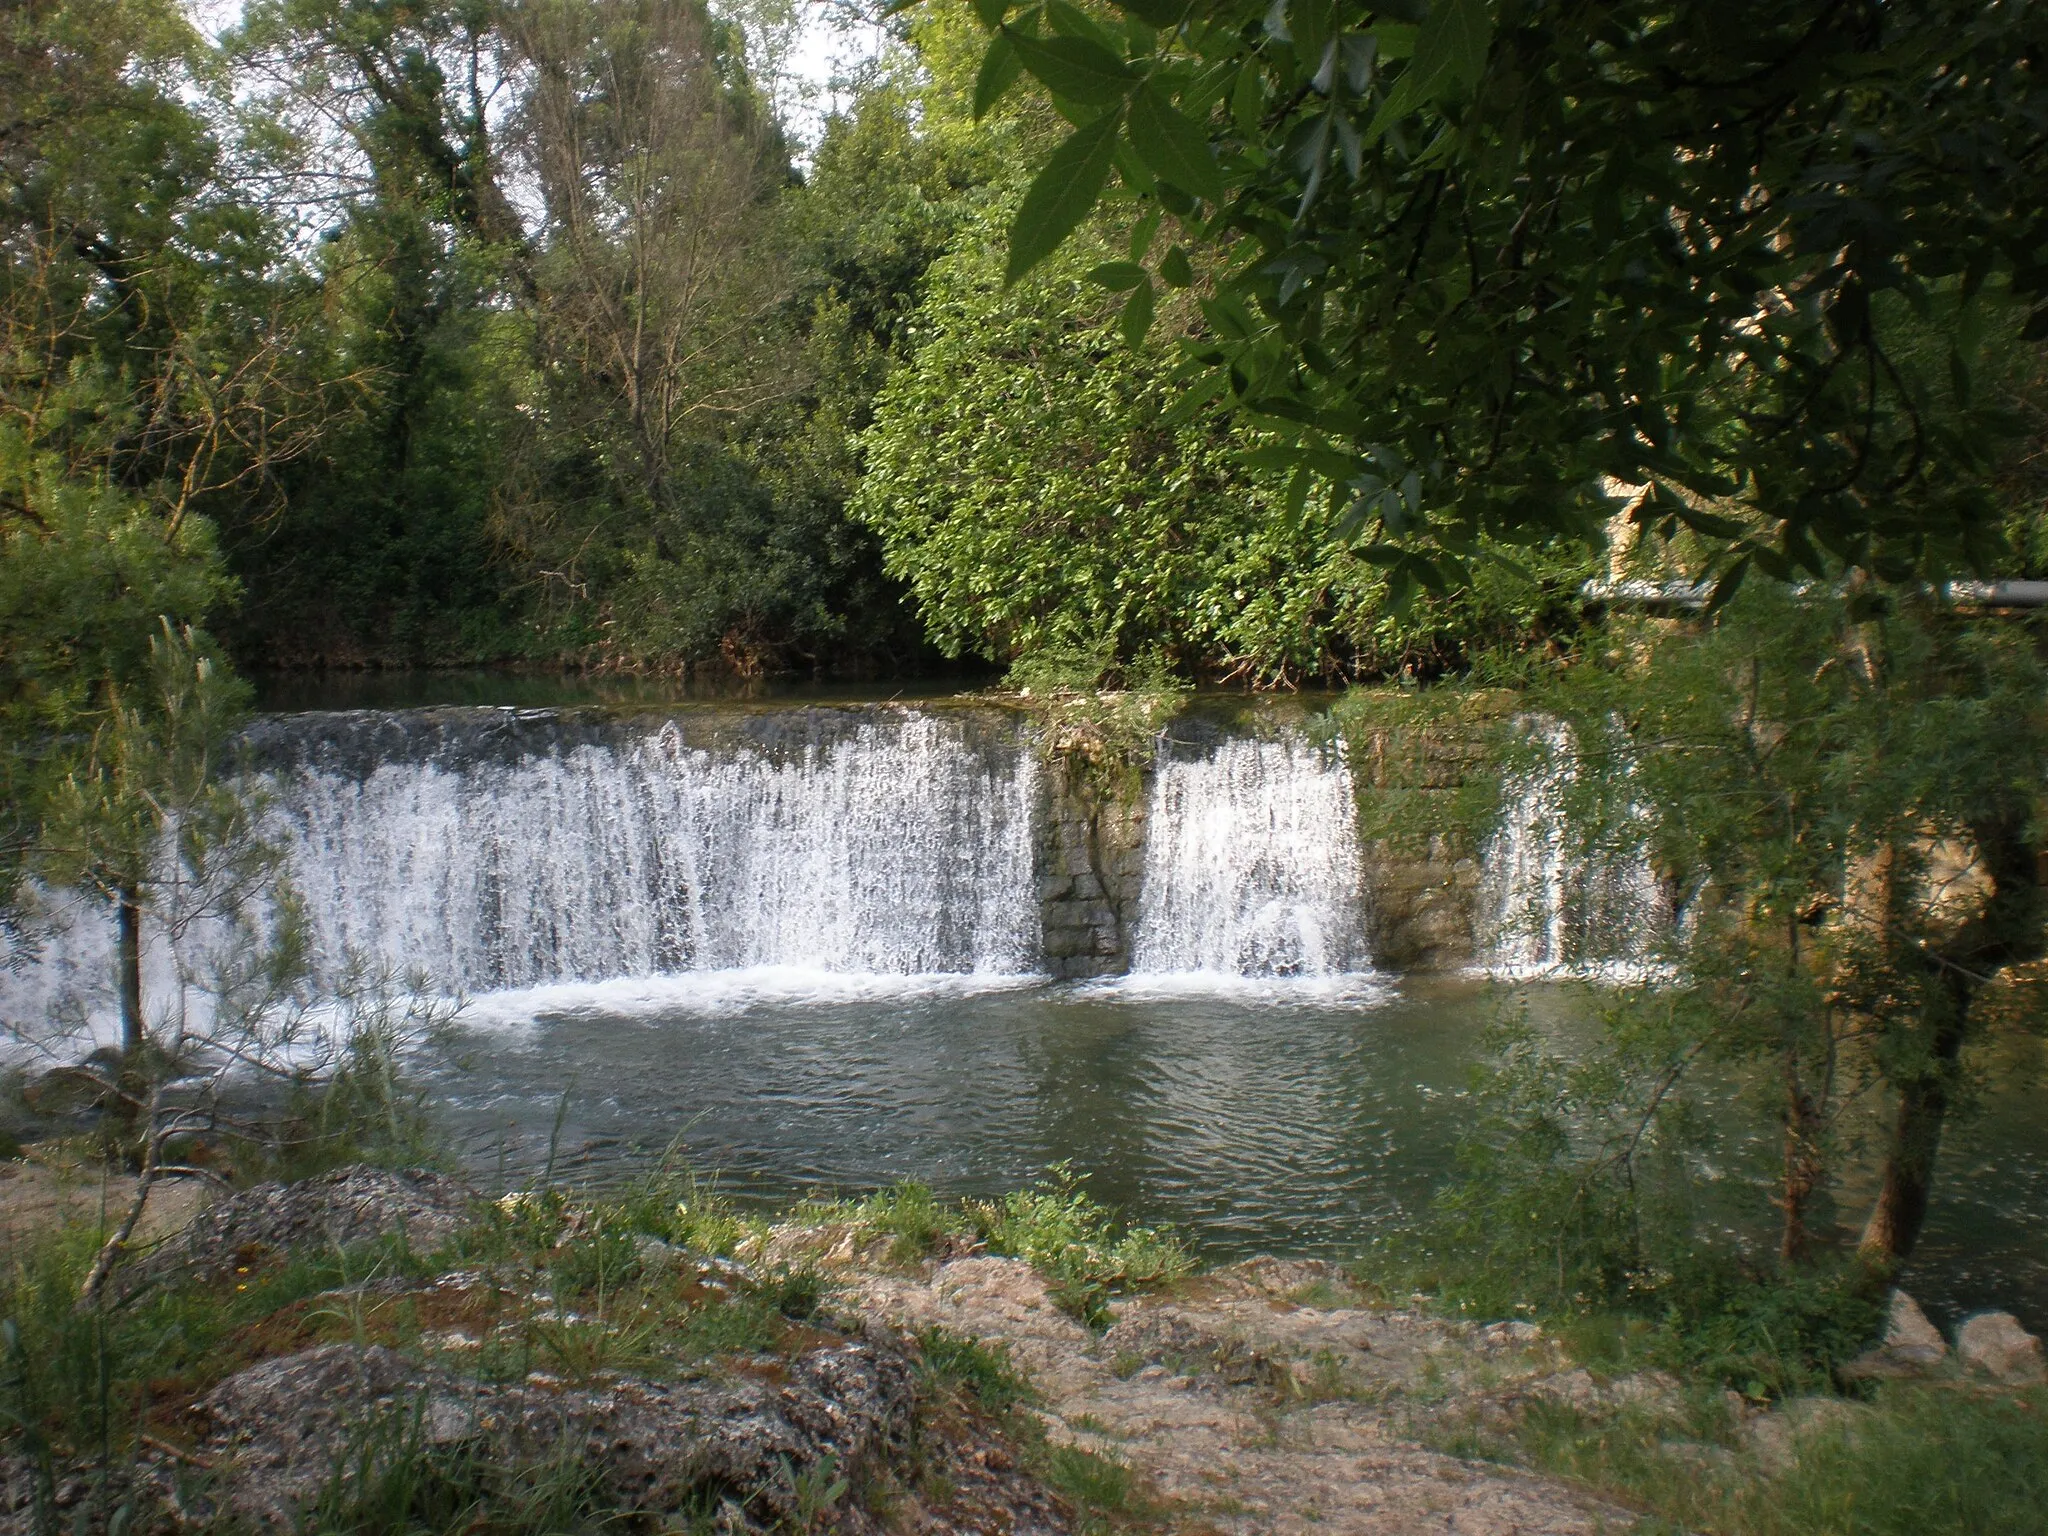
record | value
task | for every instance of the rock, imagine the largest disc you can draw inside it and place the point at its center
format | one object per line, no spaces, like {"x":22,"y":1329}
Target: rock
{"x":653,"y":1253}
{"x":1777,"y":1437}
{"x":1912,"y":1345}
{"x":1996,"y":1344}
{"x":331,"y":1210}
{"x":278,"y":1429}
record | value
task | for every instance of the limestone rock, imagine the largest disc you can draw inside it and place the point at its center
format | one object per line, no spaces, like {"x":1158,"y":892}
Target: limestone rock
{"x":1254,"y":1405}
{"x":331,"y":1210}
{"x":1996,"y":1344}
{"x":1912,"y":1345}
{"x":279,"y":1428}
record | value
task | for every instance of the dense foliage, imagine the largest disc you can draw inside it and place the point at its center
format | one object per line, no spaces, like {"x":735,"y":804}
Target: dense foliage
{"x":1487,"y":258}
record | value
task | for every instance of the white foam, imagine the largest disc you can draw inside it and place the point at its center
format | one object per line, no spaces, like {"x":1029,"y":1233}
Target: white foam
{"x":716,"y":994}
{"x":1344,"y":989}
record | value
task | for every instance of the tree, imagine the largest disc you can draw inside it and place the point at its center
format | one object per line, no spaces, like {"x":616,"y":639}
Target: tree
{"x":152,"y":824}
{"x":1845,"y":796}
{"x":1488,"y":259}
{"x":1033,"y":486}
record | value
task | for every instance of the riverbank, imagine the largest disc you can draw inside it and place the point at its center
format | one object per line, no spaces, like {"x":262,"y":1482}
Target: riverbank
{"x":373,"y":1351}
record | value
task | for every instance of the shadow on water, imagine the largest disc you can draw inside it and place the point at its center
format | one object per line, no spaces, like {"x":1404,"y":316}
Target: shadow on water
{"x":1286,"y":1122}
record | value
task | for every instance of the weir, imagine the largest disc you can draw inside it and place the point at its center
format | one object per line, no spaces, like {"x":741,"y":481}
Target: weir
{"x":496,"y":849}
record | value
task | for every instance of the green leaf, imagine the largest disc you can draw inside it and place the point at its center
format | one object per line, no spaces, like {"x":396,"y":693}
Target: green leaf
{"x":1119,"y":275}
{"x":1062,"y":194}
{"x":1137,"y":315}
{"x":1173,"y":148}
{"x":1142,"y":233}
{"x":1248,"y":99}
{"x":1158,"y":13}
{"x":999,"y":69}
{"x":1074,"y":22}
{"x":1729,"y":584}
{"x":1174,"y":269}
{"x":1074,"y":68}
{"x":1450,"y":55}
{"x":991,"y":12}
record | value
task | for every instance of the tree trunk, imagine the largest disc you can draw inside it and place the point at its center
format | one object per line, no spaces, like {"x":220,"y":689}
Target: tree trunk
{"x":1805,"y":1166}
{"x":1901,"y":1209}
{"x":128,"y":959}
{"x":2008,"y":931}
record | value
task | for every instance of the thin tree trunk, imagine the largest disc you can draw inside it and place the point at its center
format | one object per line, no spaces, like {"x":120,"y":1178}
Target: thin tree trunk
{"x":115,"y":1247}
{"x":1901,"y":1209}
{"x":129,"y":960}
{"x":1805,"y":1165}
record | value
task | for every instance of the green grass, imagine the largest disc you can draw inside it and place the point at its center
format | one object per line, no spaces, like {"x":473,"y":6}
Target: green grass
{"x":1934,"y":1459}
{"x":1107,"y":1494}
{"x":983,"y":1372}
{"x":1085,"y":1254}
{"x":1076,"y":1244}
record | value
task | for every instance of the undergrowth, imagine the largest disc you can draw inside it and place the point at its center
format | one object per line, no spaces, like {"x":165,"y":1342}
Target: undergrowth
{"x":1085,"y":1253}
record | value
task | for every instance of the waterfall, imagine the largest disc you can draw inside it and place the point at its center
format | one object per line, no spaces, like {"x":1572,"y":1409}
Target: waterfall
{"x":490,"y":850}
{"x":1251,"y":863}
{"x":1554,"y":902}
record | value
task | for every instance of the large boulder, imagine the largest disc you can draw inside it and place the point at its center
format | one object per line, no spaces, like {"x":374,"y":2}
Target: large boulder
{"x":331,"y":1210}
{"x":1912,"y":1345}
{"x":1996,"y":1344}
{"x":763,"y":1446}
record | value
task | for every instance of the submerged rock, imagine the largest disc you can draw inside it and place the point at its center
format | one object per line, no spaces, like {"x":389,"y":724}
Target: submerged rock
{"x":328,"y":1211}
{"x":1996,"y":1344}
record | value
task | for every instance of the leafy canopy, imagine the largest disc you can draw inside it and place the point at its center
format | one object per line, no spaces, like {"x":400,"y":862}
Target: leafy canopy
{"x":1492,"y":260}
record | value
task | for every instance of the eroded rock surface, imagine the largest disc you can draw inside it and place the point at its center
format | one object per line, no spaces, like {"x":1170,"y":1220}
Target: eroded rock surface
{"x":331,"y":1210}
{"x":761,"y":1445}
{"x":1267,"y":1397}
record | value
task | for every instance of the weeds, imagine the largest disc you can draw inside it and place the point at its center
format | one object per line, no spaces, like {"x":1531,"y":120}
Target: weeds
{"x":981,"y":1371}
{"x":1071,"y":1240}
{"x":1922,"y":1460}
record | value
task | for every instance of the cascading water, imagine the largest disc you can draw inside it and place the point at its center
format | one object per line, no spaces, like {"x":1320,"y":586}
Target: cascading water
{"x":1552,"y":902}
{"x":1252,"y":863}
{"x":492,"y":849}
{"x":892,"y":848}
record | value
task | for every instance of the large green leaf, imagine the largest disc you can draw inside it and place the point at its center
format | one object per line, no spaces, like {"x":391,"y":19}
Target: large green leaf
{"x":999,"y":69}
{"x":1074,"y":68}
{"x":1062,"y":193}
{"x":1173,"y":148}
{"x":1450,"y":55}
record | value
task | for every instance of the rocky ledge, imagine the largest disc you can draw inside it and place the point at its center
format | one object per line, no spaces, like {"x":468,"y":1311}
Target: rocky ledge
{"x":1266,"y":1397}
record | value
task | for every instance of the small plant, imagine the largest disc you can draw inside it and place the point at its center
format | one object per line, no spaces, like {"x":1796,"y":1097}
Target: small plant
{"x":1071,"y":1240}
{"x":911,"y":1214}
{"x":797,"y":1294}
{"x":982,"y":1371}
{"x":1096,"y":1483}
{"x":584,"y":1349}
{"x":813,"y":1492}
{"x":601,"y":1258}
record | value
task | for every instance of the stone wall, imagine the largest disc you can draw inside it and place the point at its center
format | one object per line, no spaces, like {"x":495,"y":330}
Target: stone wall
{"x":1424,"y":887}
{"x":1091,"y":865}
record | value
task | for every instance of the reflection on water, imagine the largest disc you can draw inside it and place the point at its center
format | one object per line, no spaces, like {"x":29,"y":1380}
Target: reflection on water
{"x":1286,"y":1117}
